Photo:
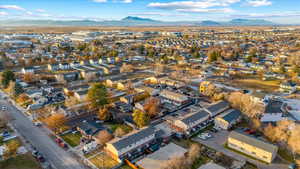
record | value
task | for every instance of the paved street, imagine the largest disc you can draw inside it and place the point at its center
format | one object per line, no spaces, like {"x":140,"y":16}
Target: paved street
{"x":58,"y":157}
{"x":219,"y":140}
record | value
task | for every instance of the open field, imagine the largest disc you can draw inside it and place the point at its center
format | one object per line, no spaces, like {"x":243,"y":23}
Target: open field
{"x":25,"y":161}
{"x":66,"y":29}
{"x":271,"y":85}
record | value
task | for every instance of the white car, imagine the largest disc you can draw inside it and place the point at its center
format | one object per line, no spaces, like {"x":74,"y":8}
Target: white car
{"x":3,"y":108}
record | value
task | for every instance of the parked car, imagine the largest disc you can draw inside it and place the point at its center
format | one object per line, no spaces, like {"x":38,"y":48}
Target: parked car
{"x":3,"y":108}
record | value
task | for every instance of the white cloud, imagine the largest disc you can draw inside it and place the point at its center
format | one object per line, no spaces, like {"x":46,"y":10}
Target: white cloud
{"x":41,"y":10}
{"x":221,"y":10}
{"x":258,"y":3}
{"x":100,"y":1}
{"x":104,"y":1}
{"x":127,"y":1}
{"x":12,"y":7}
{"x":192,"y":4}
{"x":3,"y":13}
{"x":269,"y":15}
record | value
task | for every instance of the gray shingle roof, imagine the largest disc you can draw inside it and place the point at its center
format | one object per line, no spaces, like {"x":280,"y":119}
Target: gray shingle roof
{"x":195,"y":117}
{"x":128,"y":140}
{"x":238,"y":135}
{"x":232,"y":116}
{"x":218,"y":108}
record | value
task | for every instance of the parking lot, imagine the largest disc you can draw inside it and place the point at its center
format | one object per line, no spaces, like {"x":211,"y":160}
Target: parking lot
{"x":218,"y":140}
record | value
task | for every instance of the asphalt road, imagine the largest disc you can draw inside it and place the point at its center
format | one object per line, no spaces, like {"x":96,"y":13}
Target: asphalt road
{"x":56,"y":156}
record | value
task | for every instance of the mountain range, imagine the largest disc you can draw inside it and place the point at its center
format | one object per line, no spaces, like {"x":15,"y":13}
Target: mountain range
{"x":135,"y":21}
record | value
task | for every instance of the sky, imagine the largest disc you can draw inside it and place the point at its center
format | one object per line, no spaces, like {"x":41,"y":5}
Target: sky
{"x":279,"y":11}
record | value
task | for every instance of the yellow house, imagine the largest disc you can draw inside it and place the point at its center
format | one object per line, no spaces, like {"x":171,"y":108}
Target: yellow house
{"x":252,"y":146}
{"x":109,"y":83}
{"x":203,"y":86}
{"x":152,"y":80}
{"x":120,"y":86}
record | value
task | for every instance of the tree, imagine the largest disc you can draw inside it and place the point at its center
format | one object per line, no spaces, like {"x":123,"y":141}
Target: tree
{"x":103,"y":137}
{"x":193,"y":153}
{"x":152,"y":107}
{"x":104,"y":113}
{"x":12,"y":148}
{"x":97,"y":95}
{"x":119,"y":132}
{"x":55,"y":121}
{"x":29,"y":77}
{"x":23,"y":98}
{"x":71,"y":101}
{"x":140,"y":118}
{"x":14,"y":89}
{"x":126,"y":68}
{"x":6,"y":77}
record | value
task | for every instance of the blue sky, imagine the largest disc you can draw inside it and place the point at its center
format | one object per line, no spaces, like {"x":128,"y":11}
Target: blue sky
{"x":280,"y":11}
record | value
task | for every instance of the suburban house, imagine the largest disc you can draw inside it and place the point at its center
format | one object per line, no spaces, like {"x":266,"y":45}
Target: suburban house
{"x":192,"y":122}
{"x":159,"y":159}
{"x":70,"y":76}
{"x":64,"y":66}
{"x":89,"y":129}
{"x":174,"y":98}
{"x":81,"y":95}
{"x":53,"y":67}
{"x":30,"y":69}
{"x":252,"y":146}
{"x":150,"y":90}
{"x":226,"y":120}
{"x":131,"y":144}
{"x":217,"y":108}
{"x":288,"y":87}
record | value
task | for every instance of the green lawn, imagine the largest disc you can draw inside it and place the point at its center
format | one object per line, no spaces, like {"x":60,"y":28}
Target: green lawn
{"x":283,"y":153}
{"x":25,"y":161}
{"x":125,"y":167}
{"x":125,"y":127}
{"x":72,"y":139}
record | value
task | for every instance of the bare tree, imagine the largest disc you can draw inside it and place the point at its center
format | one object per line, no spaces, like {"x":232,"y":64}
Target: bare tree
{"x":104,"y":137}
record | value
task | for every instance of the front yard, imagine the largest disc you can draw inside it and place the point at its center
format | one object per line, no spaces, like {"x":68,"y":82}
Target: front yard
{"x":72,"y":139}
{"x":25,"y":161}
{"x":103,"y":161}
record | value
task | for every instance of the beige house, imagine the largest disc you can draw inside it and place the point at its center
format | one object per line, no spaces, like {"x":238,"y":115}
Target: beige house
{"x":126,"y":146}
{"x":227,"y":119}
{"x":252,"y":146}
{"x":191,"y":122}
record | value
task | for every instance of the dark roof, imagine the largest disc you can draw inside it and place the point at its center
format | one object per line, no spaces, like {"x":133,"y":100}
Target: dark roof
{"x":248,"y":139}
{"x":232,"y":116}
{"x":90,"y":127}
{"x":274,"y":106}
{"x":82,"y":92}
{"x":217,"y":108}
{"x":195,"y":117}
{"x":128,"y":140}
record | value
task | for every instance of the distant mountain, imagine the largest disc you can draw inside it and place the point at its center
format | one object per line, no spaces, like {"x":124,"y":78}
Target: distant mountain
{"x":255,"y":22}
{"x":210,"y":23}
{"x":134,"y":21}
{"x":239,"y":22}
{"x":138,"y":19}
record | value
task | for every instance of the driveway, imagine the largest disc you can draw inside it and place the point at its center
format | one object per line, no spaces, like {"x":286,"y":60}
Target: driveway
{"x":217,"y":143}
